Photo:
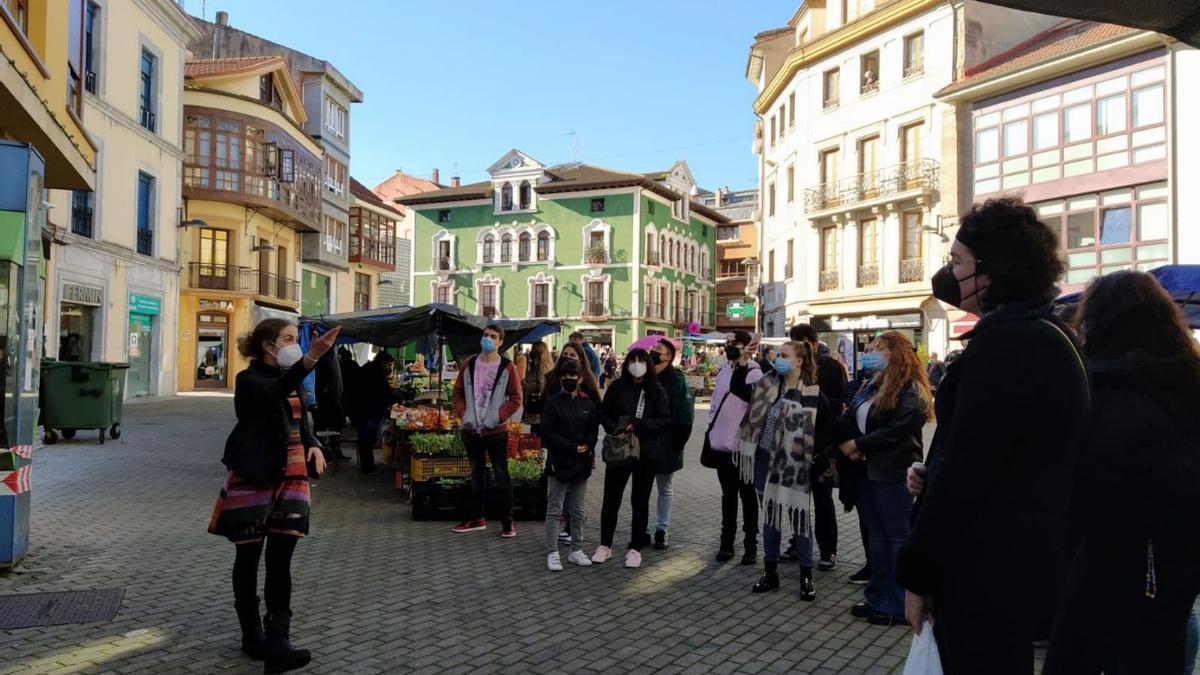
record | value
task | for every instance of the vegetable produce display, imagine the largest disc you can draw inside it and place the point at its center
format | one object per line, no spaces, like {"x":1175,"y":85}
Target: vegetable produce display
{"x":437,"y":445}
{"x":525,"y":470}
{"x":422,"y":417}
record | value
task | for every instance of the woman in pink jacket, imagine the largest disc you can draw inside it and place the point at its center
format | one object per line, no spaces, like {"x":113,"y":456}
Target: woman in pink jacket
{"x":730,"y":399}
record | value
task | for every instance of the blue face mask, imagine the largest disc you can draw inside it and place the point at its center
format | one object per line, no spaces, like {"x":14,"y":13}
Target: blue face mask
{"x":872,"y":361}
{"x":782,"y":366}
{"x":487,"y":344}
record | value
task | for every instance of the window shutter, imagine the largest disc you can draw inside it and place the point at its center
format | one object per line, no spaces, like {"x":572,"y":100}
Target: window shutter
{"x":286,"y":166}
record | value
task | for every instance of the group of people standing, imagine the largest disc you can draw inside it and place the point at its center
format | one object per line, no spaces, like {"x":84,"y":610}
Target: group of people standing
{"x":1055,"y":501}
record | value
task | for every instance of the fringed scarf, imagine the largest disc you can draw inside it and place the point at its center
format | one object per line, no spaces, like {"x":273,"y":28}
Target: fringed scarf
{"x":787,"y":490}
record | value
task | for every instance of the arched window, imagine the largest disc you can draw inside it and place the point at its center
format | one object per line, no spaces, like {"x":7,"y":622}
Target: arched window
{"x":506,"y":200}
{"x":525,"y":195}
{"x":693,"y":258}
{"x":543,"y":244}
{"x":523,"y":247}
{"x":678,"y":254}
{"x":489,"y":244}
{"x":663,"y":249}
{"x":506,"y":248}
{"x":650,"y":259}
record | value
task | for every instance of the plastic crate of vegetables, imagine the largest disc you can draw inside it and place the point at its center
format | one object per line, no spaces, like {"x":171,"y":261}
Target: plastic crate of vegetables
{"x":438,"y":456}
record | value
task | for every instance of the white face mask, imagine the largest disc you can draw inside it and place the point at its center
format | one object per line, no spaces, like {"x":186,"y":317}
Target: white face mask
{"x":287,"y":356}
{"x":637,"y":369}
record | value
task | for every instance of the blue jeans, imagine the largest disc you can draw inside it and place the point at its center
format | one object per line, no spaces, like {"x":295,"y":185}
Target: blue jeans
{"x":885,"y":507}
{"x":1193,"y":641}
{"x":771,"y":534}
{"x":662,"y":513}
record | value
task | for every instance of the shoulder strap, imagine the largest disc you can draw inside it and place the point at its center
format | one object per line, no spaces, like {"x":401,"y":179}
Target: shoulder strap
{"x":1078,"y":357}
{"x":641,"y":406}
{"x":717,"y":414}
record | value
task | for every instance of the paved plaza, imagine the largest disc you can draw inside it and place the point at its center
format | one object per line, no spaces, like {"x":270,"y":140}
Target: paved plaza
{"x":377,"y":592}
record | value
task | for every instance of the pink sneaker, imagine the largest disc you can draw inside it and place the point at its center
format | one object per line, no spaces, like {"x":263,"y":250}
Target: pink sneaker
{"x":510,"y":530}
{"x":633,"y":559}
{"x":602,"y":554}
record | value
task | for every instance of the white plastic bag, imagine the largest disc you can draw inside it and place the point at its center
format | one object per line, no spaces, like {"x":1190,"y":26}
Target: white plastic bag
{"x":923,"y":658}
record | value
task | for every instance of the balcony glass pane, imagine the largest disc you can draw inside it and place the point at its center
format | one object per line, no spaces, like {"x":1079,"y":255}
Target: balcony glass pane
{"x":1081,"y":276}
{"x":1153,"y":221}
{"x":1153,"y":251}
{"x":1116,"y":255}
{"x":1081,"y":231}
{"x":1115,"y":226}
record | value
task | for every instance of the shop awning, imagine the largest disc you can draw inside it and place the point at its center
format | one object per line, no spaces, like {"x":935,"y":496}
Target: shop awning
{"x":864,"y":307}
{"x":396,"y":327}
{"x":1178,"y":18}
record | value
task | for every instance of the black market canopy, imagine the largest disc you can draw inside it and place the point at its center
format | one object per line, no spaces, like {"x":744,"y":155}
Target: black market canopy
{"x":398,"y":326}
{"x":1178,"y":18}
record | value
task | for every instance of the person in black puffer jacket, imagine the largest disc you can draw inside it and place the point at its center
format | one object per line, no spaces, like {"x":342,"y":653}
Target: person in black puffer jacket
{"x":1135,"y":571}
{"x":570,"y":424}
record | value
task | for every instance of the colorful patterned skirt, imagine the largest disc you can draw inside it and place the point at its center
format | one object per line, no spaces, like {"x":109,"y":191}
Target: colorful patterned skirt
{"x":245,"y":512}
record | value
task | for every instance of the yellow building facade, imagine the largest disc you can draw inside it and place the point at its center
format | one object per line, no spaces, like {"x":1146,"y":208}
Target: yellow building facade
{"x":251,"y":181}
{"x":113,"y":278}
{"x":41,"y":84}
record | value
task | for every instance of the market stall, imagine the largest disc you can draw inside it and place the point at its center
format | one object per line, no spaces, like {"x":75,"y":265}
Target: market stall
{"x":422,"y":442}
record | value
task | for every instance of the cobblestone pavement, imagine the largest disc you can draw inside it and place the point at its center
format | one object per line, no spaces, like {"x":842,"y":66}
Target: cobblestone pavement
{"x":377,"y":592}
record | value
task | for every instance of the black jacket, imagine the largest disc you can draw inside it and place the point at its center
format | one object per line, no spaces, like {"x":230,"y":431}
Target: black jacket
{"x":1138,"y":481}
{"x":831,"y":376}
{"x":620,"y":404}
{"x":893,"y":440}
{"x":256,"y":449}
{"x":374,"y":395}
{"x":989,"y":540}
{"x":568,"y":422}
{"x":329,"y":415}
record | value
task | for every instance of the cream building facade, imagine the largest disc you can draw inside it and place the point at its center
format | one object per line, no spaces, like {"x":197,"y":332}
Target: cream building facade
{"x":113,"y":276}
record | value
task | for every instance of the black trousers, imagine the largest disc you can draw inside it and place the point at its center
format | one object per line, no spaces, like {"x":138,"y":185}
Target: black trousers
{"x":368,"y":432}
{"x":615,"y":479}
{"x":824,"y":513}
{"x":862,"y":532}
{"x":277,"y":590}
{"x":733,"y":489}
{"x":480,"y":449}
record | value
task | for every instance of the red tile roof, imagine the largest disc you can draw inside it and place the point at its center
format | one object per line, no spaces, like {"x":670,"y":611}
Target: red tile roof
{"x":1065,"y":38}
{"x":363,"y":193}
{"x":212,"y":67}
{"x":401,"y":185}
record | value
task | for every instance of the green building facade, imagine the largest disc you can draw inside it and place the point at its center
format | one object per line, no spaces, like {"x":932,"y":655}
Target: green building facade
{"x":613,"y":254}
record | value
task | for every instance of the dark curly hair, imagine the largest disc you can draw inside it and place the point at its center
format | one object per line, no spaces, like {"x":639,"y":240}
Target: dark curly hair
{"x":1126,"y":311}
{"x":1015,"y":249}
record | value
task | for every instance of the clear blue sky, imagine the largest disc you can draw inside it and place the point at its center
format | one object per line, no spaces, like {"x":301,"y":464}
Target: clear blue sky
{"x":457,"y":83}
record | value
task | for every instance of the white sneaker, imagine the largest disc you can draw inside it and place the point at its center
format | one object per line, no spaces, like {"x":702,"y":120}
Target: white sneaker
{"x":602,"y":554}
{"x":579,"y":558}
{"x":633,"y":558}
{"x":553,"y":562}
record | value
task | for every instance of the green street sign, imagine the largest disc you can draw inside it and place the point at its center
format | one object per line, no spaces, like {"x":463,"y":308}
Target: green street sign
{"x":739,"y":310}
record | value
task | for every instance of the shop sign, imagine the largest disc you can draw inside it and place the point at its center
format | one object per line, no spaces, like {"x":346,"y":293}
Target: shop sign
{"x":873,"y":322}
{"x":739,"y":310}
{"x":82,"y":295}
{"x":144,"y":304}
{"x":134,"y":345}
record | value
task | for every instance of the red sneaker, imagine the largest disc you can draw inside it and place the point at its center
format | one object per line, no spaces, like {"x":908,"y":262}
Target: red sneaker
{"x":510,"y":530}
{"x":470,"y":526}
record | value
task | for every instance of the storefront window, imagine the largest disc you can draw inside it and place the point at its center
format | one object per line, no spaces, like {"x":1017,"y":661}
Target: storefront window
{"x":212,"y":349}
{"x":75,"y":332}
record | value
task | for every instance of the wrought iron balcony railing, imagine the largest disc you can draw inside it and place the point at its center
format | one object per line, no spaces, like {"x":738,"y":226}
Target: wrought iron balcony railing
{"x":829,"y":280}
{"x":921,"y":174}
{"x":275,"y":286}
{"x":868,"y":275}
{"x":912,"y":269}
{"x":220,"y":277}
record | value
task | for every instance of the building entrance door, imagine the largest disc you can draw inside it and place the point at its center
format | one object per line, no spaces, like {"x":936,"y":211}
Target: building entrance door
{"x":212,"y":350}
{"x":141,"y":328}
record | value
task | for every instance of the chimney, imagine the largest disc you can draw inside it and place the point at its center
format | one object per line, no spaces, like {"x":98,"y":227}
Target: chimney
{"x":223,"y":19}
{"x":435,"y":178}
{"x":455,"y":181}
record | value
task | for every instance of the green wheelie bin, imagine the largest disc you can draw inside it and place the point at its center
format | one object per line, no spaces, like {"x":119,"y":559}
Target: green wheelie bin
{"x":81,"y":395}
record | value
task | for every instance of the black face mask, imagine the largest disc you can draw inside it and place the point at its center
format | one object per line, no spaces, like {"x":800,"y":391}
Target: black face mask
{"x":570,"y":386}
{"x":947,"y":287}
{"x":732,"y":353}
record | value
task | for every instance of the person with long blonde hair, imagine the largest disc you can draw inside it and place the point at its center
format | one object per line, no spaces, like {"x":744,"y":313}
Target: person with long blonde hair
{"x":883,"y":427}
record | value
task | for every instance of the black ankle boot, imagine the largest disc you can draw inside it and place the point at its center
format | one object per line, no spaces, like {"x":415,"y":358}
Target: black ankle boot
{"x":751,"y":555}
{"x":808,"y":592}
{"x":281,"y":656}
{"x":725,"y":552}
{"x":253,"y":643}
{"x":769,"y":580}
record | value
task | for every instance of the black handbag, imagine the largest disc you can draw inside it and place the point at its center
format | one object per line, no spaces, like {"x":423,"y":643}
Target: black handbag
{"x":623,"y":449}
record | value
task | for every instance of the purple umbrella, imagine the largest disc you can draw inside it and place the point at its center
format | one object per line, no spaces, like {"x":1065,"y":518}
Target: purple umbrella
{"x":651,"y":340}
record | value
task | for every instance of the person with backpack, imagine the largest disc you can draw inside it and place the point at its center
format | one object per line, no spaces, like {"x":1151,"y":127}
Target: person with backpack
{"x":487,"y":393}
